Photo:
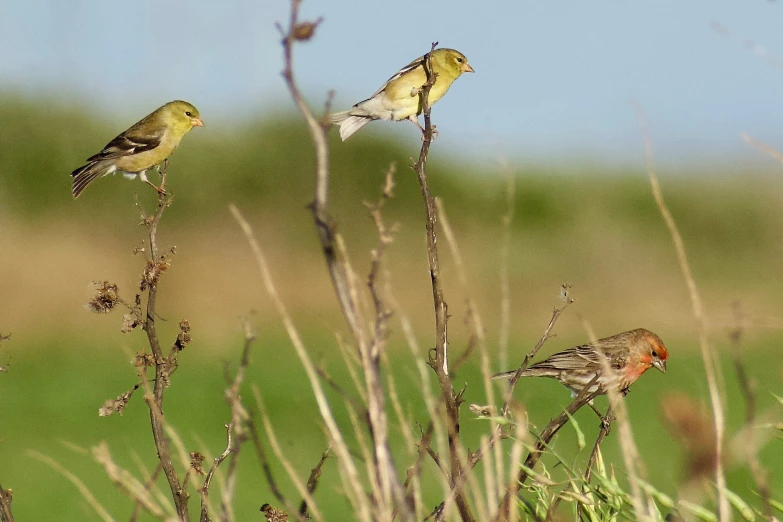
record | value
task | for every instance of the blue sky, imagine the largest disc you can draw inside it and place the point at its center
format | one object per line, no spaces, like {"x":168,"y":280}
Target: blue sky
{"x":554,"y":80}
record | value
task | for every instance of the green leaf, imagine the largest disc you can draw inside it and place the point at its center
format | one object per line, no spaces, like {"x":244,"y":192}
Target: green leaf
{"x":702,"y":513}
{"x":662,"y":498}
{"x":740,"y":505}
{"x":580,"y":437}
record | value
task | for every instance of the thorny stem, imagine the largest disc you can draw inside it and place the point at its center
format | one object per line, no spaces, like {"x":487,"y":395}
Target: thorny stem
{"x":162,"y":363}
{"x":440,"y":362}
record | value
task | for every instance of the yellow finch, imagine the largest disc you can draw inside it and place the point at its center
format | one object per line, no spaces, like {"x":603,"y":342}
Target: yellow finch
{"x":147,"y":144}
{"x":399,"y":98}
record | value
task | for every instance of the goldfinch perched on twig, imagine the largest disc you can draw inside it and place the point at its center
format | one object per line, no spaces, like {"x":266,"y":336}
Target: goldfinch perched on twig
{"x":147,"y":144}
{"x":398,"y":99}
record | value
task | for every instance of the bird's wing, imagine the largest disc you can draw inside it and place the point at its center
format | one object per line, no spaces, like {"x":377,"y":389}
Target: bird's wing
{"x":418,"y":62}
{"x":578,"y":357}
{"x":130,"y":142}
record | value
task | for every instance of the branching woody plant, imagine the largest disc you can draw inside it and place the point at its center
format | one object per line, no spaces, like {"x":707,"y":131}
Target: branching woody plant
{"x":370,"y":346}
{"x":143,"y":315}
{"x":377,"y":492}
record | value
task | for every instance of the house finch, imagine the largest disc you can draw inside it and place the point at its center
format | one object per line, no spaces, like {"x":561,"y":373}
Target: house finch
{"x":628,"y":354}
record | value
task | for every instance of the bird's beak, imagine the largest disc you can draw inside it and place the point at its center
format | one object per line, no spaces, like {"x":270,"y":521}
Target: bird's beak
{"x":196,"y":122}
{"x":467,"y":68}
{"x":661,"y":365}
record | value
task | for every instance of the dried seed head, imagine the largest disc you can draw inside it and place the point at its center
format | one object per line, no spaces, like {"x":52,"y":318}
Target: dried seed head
{"x":152,"y":272}
{"x":128,"y":323}
{"x":197,"y":462}
{"x":303,"y":31}
{"x":274,"y":515}
{"x":143,"y":360}
{"x":105,"y":298}
{"x":118,"y":404}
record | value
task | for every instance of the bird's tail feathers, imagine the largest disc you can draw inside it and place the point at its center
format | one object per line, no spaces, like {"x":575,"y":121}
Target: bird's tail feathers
{"x":338,"y":117}
{"x":84,"y":175}
{"x":350,"y":124}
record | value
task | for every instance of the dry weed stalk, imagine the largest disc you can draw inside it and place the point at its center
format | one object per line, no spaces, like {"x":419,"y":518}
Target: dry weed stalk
{"x":105,"y":299}
{"x":710,"y":366}
{"x":388,"y":485}
{"x":440,"y":361}
{"x":157,"y":263}
{"x":760,"y":474}
{"x":6,"y":496}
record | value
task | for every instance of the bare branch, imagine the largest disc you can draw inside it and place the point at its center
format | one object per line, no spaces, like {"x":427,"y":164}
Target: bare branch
{"x":156,"y":265}
{"x":217,"y":461}
{"x":386,"y":475}
{"x":440,"y":361}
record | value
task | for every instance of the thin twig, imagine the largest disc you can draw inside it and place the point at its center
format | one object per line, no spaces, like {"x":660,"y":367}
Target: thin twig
{"x":264,"y":462}
{"x":724,"y":509}
{"x":341,"y":281}
{"x":556,"y":313}
{"x":606,"y":426}
{"x":302,"y":488}
{"x":754,"y":47}
{"x":498,"y":432}
{"x":747,"y":386}
{"x":88,"y":496}
{"x":350,"y":474}
{"x":312,"y":482}
{"x":505,"y":254}
{"x":148,"y":485}
{"x":156,"y":264}
{"x":440,"y":361}
{"x":504,"y":510}
{"x":771,"y":151}
{"x":477,"y":339}
{"x":217,"y":461}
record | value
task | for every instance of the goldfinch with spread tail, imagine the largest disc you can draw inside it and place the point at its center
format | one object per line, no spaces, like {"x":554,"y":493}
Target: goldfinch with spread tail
{"x":398,"y":99}
{"x":146,"y":144}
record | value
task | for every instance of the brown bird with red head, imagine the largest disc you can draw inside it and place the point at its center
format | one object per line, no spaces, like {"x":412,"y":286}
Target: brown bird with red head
{"x":628,"y":355}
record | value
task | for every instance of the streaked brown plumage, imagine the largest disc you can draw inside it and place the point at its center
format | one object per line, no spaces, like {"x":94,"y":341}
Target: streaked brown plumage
{"x":629,"y":355}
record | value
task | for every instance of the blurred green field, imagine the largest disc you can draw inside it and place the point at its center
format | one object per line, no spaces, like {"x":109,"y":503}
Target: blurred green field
{"x":595,"y":228}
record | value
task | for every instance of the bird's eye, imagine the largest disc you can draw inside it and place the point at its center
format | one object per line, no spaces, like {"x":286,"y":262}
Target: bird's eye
{"x":459,"y":60}
{"x":188,"y":114}
{"x":654,"y":354}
